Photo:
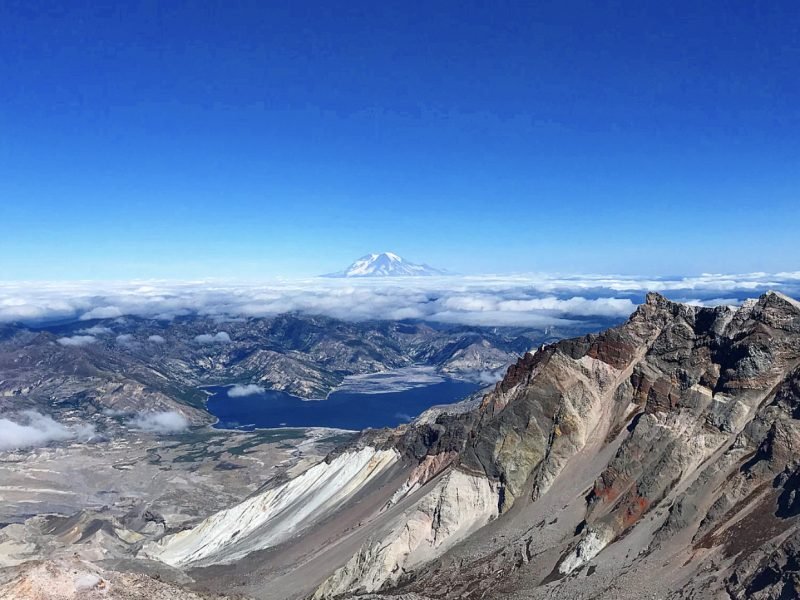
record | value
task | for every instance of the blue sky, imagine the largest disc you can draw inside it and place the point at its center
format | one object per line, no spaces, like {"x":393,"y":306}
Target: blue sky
{"x":205,"y":139}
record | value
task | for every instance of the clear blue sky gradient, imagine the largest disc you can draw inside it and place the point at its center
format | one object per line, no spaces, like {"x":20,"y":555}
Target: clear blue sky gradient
{"x":250,"y":139}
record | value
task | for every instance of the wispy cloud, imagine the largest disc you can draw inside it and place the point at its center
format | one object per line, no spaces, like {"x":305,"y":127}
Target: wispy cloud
{"x":530,"y":300}
{"x":77,"y":340}
{"x":125,"y":339}
{"x":97,"y":330}
{"x":221,"y":337}
{"x":239,"y":391}
{"x":30,"y":429}
{"x":160,"y":422}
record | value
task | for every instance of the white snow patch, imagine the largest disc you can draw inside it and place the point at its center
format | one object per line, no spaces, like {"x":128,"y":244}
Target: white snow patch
{"x":386,"y":264}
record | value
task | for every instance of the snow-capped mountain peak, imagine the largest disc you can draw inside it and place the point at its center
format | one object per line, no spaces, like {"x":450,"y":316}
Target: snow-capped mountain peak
{"x":386,"y":264}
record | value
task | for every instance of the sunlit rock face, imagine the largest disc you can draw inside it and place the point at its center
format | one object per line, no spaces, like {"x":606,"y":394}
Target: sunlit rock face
{"x":268,"y":518}
{"x":456,"y":506}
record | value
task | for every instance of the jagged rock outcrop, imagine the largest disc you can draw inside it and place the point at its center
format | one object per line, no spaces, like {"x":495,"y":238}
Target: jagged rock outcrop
{"x":699,"y":406}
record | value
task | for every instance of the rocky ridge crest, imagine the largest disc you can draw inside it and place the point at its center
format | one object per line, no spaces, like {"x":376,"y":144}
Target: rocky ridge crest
{"x":684,"y":423}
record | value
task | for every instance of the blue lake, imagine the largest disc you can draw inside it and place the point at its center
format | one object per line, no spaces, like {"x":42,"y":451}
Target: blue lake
{"x":343,"y":410}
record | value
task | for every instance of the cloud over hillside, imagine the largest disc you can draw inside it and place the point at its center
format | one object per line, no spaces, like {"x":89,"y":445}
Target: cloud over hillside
{"x":31,"y":429}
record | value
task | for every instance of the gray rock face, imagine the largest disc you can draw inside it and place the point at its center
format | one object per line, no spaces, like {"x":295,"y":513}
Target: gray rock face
{"x":773,"y":574}
{"x":666,"y":448}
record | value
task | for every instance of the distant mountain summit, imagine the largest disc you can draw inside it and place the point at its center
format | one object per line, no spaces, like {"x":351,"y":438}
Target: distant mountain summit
{"x":386,"y":264}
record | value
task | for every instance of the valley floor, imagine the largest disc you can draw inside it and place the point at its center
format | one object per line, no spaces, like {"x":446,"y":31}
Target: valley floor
{"x":95,"y":504}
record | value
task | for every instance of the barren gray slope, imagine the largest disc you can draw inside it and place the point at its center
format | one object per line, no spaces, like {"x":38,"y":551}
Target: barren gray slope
{"x":657,"y":459}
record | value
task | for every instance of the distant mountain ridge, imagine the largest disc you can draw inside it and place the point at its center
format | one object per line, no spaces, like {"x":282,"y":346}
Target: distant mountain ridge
{"x":386,"y":264}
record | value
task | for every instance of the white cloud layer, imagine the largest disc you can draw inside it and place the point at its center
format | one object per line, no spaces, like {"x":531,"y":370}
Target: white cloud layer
{"x":239,"y":391}
{"x":160,"y":422}
{"x":77,"y":340}
{"x":221,"y":337}
{"x":97,"y":330}
{"x":529,"y":300}
{"x":30,"y":429}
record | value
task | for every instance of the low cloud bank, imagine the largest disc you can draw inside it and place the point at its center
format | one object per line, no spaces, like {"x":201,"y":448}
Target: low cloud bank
{"x":239,"y":391}
{"x":487,"y":377}
{"x":220,"y":337}
{"x":77,"y":340}
{"x":97,"y":330}
{"x":534,"y":300}
{"x":31,"y":429}
{"x":160,"y":422}
{"x":156,"y":339}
